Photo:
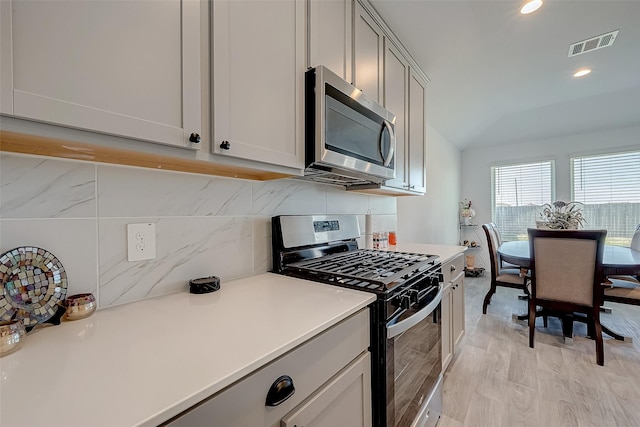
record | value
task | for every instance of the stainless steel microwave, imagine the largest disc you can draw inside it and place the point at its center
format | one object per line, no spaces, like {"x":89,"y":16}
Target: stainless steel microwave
{"x":349,"y":139}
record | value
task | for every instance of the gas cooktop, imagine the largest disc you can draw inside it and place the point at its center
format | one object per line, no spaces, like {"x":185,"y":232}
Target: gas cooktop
{"x":324,"y":248}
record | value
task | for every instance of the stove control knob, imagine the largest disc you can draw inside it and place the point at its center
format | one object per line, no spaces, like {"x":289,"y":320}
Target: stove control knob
{"x":405,"y":302}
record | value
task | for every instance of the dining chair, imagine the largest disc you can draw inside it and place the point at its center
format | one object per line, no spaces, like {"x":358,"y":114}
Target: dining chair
{"x":494,"y":227}
{"x":625,"y":289}
{"x":566,"y":277}
{"x":509,"y":277}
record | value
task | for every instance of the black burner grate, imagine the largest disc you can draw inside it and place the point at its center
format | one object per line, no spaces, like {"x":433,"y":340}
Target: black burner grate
{"x":367,"y":269}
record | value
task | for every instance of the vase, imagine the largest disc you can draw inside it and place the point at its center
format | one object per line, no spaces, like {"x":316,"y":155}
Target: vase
{"x":470,"y":261}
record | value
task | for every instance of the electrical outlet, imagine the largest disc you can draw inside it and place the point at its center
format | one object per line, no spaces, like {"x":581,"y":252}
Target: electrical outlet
{"x":141,"y":241}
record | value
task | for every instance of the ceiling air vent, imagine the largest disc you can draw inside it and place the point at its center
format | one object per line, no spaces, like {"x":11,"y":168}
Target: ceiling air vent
{"x":594,"y":43}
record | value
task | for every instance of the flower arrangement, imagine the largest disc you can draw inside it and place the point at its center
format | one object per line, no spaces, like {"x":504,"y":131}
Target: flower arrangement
{"x":466,"y":211}
{"x":561,"y":215}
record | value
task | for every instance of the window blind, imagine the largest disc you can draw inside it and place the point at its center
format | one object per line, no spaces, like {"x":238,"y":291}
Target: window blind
{"x":519,"y":191}
{"x":609,"y":187}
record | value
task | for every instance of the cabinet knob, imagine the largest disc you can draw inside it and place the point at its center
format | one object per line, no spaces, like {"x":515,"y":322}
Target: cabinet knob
{"x":280,"y":390}
{"x":453,"y":268}
{"x":194,"y":137}
{"x":225,"y":145}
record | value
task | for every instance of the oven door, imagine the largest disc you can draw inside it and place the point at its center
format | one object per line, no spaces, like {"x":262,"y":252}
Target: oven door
{"x":414,"y":365}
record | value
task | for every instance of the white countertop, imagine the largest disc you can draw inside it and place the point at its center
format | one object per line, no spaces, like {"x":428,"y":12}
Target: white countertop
{"x":444,"y":252}
{"x":143,"y":363}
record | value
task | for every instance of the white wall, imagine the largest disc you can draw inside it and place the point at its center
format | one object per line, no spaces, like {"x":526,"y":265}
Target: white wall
{"x":477,"y":162}
{"x":433,"y":218}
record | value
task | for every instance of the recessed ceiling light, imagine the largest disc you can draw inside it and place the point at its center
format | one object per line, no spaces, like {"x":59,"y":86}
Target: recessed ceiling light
{"x":582,"y":72}
{"x":531,"y":6}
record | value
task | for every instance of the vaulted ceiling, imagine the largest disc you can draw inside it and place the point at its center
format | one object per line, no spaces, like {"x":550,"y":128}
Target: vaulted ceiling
{"x":499,"y":77}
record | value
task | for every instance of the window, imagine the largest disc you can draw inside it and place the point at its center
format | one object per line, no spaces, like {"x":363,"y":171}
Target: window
{"x":519,"y":191}
{"x":609,"y":187}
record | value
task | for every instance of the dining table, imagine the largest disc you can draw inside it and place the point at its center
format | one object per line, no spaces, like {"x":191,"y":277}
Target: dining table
{"x":616,"y":260}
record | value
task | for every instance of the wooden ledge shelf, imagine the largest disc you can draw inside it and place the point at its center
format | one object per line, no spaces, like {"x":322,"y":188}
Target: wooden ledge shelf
{"x":13,"y":142}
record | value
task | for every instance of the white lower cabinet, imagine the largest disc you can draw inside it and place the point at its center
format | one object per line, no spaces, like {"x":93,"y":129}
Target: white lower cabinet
{"x":447,"y":341}
{"x":331,"y":375}
{"x":453,"y":317}
{"x":343,"y":401}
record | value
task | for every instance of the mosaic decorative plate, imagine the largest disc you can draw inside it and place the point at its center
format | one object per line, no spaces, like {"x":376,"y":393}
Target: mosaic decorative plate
{"x":34,"y":282}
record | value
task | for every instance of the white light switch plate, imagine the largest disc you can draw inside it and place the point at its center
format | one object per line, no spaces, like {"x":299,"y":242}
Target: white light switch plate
{"x":141,"y":241}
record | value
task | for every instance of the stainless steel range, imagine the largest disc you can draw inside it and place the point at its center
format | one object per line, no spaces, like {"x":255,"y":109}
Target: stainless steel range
{"x":406,"y":342}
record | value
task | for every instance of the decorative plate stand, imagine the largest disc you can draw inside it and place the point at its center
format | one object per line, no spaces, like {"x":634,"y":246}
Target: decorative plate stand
{"x":34,"y":286}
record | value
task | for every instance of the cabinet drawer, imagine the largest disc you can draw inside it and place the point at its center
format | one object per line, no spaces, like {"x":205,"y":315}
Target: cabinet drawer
{"x":309,"y":366}
{"x":452,"y":268}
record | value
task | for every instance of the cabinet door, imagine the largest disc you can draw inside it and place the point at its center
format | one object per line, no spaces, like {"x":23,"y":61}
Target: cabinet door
{"x":343,"y":401}
{"x":123,"y":68}
{"x":258,"y":76}
{"x":330,"y":36}
{"x":457,"y":318}
{"x":447,"y":339}
{"x":417,"y":132}
{"x":368,"y":50}
{"x":396,"y":73}
{"x":311,"y":366}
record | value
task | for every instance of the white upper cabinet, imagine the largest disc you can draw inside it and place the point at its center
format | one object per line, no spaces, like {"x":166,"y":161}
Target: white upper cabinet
{"x":368,"y":54}
{"x":417,"y":132}
{"x":404,"y":95}
{"x":329,"y":36}
{"x":127,"y":68}
{"x":396,"y":76}
{"x":386,"y":73}
{"x":258,"y":64}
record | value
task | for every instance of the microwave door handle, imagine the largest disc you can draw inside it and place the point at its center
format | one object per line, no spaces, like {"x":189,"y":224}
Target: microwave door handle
{"x":392,"y":139}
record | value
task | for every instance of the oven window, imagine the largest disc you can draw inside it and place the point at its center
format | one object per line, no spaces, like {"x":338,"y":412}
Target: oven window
{"x":415,"y":359}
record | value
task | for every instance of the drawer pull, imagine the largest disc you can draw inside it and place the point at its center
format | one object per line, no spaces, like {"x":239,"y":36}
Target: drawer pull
{"x":453,"y":268}
{"x":280,"y":390}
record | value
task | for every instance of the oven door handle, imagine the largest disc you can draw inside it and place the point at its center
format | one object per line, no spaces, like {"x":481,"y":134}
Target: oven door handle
{"x":400,"y":327}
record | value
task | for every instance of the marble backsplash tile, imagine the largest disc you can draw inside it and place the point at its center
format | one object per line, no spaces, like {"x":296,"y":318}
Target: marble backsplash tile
{"x":186,"y":248}
{"x":288,"y":197}
{"x":204,"y":225}
{"x":38,"y":187}
{"x":135,"y":192}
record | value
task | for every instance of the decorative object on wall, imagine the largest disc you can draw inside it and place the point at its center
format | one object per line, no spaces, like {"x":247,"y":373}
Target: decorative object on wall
{"x":466,"y":212}
{"x":561,"y":215}
{"x":34,"y":284}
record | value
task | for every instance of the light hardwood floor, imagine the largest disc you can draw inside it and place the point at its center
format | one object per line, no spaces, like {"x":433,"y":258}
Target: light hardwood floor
{"x":496,"y":380}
